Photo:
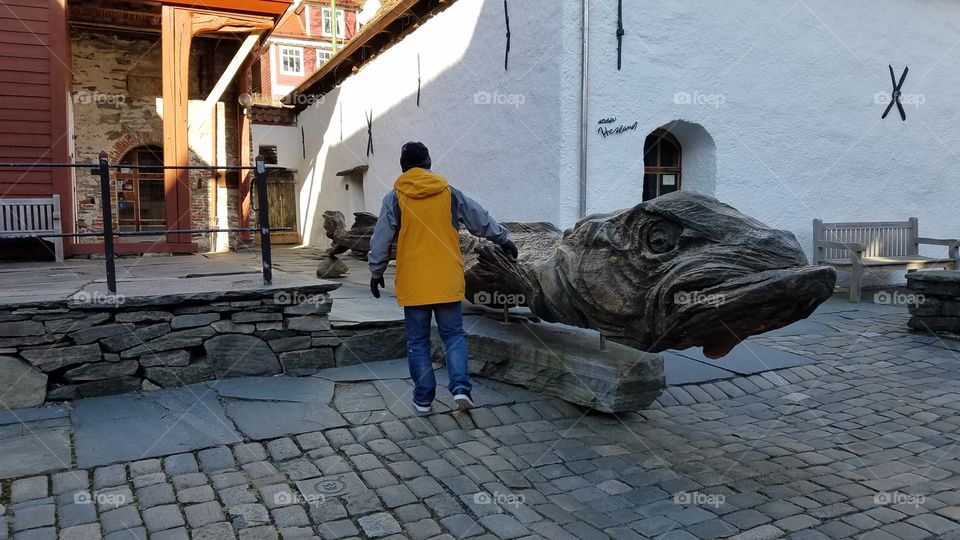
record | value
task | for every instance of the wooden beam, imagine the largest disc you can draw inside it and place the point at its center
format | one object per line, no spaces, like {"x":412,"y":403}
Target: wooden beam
{"x":227,"y":77}
{"x":177,"y":31}
{"x":217,"y":22}
{"x":262,"y":7}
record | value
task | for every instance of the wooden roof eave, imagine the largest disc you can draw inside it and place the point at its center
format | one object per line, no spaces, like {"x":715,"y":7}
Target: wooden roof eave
{"x":393,"y":23}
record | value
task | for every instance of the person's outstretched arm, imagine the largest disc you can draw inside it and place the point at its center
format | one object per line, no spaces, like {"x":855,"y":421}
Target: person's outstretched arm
{"x":383,"y":234}
{"x":479,"y":223}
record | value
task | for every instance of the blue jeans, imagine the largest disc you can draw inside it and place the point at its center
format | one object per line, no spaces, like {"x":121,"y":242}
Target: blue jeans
{"x":450,"y":324}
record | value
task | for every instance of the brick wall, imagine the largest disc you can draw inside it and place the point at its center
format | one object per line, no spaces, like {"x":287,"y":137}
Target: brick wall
{"x":117,"y":90}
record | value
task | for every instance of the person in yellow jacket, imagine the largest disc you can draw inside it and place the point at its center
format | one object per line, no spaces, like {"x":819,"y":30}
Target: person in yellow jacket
{"x":423,"y":212}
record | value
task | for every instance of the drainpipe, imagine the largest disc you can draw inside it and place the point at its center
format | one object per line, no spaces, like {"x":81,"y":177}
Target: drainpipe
{"x":584,"y":113}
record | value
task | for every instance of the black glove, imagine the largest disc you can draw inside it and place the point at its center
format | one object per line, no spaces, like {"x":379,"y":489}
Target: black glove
{"x":510,"y":249}
{"x":375,"y":284}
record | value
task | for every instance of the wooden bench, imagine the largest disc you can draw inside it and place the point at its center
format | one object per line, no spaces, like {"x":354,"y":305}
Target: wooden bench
{"x":870,"y":246}
{"x":30,"y":217}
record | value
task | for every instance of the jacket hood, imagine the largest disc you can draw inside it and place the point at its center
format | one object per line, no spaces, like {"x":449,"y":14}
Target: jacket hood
{"x":419,"y":184}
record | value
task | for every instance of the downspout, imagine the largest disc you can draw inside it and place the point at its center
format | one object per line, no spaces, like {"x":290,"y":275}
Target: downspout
{"x":584,"y":112}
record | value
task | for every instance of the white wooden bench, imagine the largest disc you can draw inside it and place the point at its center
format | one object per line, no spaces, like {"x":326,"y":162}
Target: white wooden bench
{"x":870,"y":246}
{"x":30,"y":217}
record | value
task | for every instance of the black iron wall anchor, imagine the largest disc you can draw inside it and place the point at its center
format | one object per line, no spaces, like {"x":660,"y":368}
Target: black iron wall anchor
{"x":895,"y":96}
{"x":620,"y":33}
{"x":506,"y":56}
{"x":370,"y":133}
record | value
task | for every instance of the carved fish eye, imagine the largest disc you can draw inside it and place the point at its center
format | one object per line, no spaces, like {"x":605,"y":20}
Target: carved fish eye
{"x":663,"y":237}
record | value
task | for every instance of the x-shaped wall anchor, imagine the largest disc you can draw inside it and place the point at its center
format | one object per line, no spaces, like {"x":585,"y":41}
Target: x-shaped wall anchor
{"x":369,"y":132}
{"x":506,"y":56}
{"x":895,"y":96}
{"x":620,"y":33}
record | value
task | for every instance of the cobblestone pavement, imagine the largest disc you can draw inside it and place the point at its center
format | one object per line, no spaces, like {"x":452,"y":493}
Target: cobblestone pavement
{"x":862,"y":443}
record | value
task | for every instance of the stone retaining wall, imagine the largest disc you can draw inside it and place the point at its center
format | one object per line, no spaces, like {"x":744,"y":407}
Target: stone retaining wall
{"x":62,"y":351}
{"x":936,"y":303}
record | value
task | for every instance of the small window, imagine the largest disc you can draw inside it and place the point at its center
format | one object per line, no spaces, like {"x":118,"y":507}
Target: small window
{"x":341,"y":23}
{"x":662,"y":164}
{"x":269,"y":154}
{"x":322,"y":56}
{"x":291,"y":60}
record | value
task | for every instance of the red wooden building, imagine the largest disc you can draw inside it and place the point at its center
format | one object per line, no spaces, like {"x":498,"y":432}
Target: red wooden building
{"x":182,"y":70}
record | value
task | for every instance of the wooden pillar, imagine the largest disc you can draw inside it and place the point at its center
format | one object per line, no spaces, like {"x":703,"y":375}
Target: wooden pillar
{"x":176,"y":38}
{"x":244,"y":153}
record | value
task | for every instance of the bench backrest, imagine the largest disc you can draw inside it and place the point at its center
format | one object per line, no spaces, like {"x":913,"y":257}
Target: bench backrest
{"x":880,"y":238}
{"x":21,"y":215}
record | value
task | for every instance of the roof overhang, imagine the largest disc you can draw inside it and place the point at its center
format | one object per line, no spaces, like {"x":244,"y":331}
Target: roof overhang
{"x":378,"y":35}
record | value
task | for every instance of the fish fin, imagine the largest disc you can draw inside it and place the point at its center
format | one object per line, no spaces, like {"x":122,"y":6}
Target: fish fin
{"x":499,"y":272}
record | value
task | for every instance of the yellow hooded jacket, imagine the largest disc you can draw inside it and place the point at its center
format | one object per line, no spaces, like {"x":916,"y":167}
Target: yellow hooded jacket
{"x":424,"y":213}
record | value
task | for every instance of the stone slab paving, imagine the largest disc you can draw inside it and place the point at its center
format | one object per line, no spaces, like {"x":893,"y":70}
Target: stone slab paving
{"x":861,"y":443}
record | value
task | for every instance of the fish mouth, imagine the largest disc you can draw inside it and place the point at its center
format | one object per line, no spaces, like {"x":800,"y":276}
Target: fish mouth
{"x":718,"y":314}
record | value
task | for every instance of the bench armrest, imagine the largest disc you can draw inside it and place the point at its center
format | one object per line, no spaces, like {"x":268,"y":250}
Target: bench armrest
{"x":939,"y":242}
{"x":856,"y":250}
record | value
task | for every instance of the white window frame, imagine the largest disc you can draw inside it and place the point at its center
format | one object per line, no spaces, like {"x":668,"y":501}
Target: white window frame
{"x":298,"y":52}
{"x":322,"y":56}
{"x":341,"y":23}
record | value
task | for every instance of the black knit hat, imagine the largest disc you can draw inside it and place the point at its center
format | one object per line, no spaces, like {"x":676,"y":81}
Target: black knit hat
{"x":414,"y":154}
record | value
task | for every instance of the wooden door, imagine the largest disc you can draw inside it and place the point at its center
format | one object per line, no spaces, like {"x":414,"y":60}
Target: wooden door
{"x":282,"y":198}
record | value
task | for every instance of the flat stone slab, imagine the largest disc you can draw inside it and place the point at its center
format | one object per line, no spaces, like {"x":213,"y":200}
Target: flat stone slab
{"x":261,"y":420}
{"x":135,"y":426}
{"x":354,"y":307}
{"x":166,"y":291}
{"x":19,"y":416}
{"x":749,"y":358}
{"x":565,"y":362}
{"x":290,"y":389}
{"x":29,"y":449}
{"x":682,"y":370}
{"x":367,"y":371}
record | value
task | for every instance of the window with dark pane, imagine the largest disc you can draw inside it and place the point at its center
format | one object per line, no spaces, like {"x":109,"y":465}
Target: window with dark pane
{"x":662,"y":161}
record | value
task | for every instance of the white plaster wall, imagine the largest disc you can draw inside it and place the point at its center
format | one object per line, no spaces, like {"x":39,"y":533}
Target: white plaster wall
{"x":797,"y":131}
{"x":518,"y":158}
{"x":287,"y":140}
{"x":782,"y":119}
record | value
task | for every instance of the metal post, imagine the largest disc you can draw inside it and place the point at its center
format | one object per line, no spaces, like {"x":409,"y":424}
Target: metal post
{"x":603,"y":343}
{"x":263,"y":216}
{"x":106,"y":205}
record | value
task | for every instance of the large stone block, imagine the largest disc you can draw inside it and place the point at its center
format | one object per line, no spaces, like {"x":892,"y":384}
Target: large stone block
{"x":21,"y":328}
{"x":176,"y":358}
{"x":74,"y":324}
{"x":238,"y":355}
{"x":21,"y":385}
{"x":306,"y":359}
{"x":192,"y":321}
{"x":55,"y":358}
{"x":101,"y":370}
{"x":309,"y":323}
{"x":372,"y":346}
{"x":565,"y":362}
{"x":139,"y":336}
{"x":89,"y":335}
{"x":167,"y":376}
{"x":181,"y":339}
